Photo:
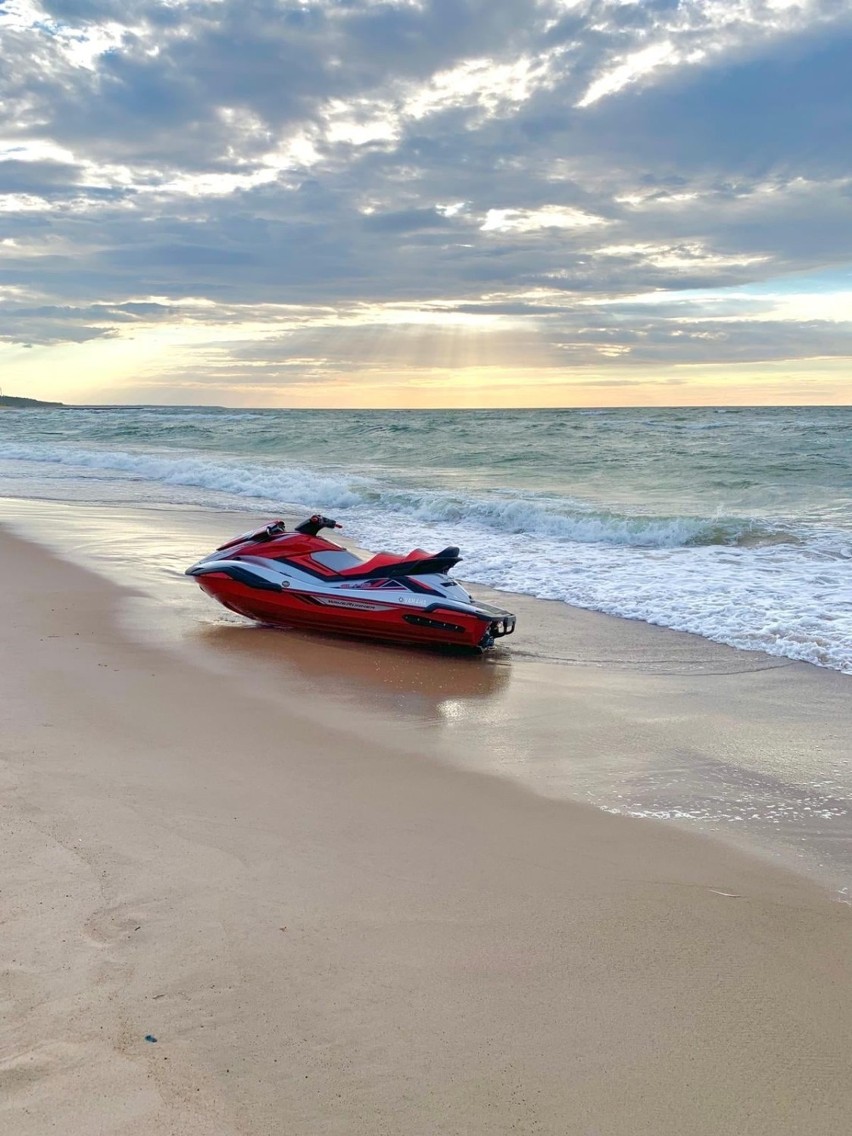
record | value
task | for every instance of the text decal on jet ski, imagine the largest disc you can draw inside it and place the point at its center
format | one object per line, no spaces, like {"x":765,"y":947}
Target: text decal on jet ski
{"x":328,"y":602}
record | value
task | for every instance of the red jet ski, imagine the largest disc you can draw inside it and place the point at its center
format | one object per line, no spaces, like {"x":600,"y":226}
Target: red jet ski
{"x":300,"y":579}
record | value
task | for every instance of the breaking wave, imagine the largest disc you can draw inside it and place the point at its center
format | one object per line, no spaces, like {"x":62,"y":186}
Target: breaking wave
{"x":291,"y":487}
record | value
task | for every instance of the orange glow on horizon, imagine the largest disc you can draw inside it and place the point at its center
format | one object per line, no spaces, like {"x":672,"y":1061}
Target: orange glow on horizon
{"x":171,"y":369}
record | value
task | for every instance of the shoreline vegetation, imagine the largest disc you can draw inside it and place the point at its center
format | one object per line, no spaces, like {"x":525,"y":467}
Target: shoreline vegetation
{"x":14,"y":402}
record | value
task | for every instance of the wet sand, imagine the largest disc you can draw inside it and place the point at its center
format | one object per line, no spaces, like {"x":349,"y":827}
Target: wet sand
{"x":329,"y":931}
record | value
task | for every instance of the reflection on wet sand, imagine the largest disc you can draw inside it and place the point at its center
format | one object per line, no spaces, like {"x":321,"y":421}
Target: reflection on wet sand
{"x":414,"y":682}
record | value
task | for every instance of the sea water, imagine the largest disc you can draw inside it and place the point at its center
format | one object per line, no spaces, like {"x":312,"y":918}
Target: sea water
{"x":731,"y":523}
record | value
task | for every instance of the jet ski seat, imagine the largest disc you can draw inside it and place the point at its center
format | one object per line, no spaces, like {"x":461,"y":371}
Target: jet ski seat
{"x":418,"y":562}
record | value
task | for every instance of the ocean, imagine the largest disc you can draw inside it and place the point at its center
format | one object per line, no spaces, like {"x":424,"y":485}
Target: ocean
{"x":731,"y":523}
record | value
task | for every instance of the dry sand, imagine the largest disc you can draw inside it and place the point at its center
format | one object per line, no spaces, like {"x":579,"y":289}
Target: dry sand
{"x":330,"y":936}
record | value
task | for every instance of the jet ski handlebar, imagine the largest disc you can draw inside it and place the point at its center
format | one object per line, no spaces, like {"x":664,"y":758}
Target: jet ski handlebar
{"x":310,"y":527}
{"x":313,"y":524}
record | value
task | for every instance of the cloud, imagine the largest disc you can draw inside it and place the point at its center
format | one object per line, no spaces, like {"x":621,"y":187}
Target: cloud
{"x":405,"y":221}
{"x":531,"y":166}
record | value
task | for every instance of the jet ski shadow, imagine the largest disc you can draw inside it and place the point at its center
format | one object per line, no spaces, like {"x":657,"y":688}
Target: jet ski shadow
{"x":420,"y":678}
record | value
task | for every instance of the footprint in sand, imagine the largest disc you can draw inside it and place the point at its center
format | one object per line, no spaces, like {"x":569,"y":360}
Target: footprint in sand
{"x":110,"y":925}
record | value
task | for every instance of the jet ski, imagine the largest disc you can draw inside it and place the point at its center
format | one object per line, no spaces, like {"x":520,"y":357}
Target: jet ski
{"x":300,"y":579}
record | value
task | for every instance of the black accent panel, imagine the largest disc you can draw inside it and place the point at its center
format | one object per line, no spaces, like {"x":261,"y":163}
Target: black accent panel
{"x":437,"y":624}
{"x":247,"y":577}
{"x":500,"y":622}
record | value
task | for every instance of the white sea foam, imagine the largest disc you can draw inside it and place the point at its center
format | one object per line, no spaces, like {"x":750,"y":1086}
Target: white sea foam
{"x":774,"y":599}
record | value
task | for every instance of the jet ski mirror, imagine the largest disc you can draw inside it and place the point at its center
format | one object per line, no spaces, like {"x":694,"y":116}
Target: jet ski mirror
{"x":313,"y":524}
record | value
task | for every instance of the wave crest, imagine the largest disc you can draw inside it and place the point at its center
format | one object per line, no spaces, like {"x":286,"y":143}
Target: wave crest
{"x":297,"y":487}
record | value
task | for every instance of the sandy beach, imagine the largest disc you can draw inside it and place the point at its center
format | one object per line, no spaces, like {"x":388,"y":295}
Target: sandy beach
{"x":538,"y":307}
{"x":328,"y":931}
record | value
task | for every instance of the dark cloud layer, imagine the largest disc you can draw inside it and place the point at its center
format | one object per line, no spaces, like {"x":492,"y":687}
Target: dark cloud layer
{"x":528,"y":164}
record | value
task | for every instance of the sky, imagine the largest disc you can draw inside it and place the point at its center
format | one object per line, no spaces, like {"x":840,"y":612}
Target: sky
{"x":410,"y":203}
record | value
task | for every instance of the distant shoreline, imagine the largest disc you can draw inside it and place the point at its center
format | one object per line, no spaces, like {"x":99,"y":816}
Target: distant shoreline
{"x":12,"y":402}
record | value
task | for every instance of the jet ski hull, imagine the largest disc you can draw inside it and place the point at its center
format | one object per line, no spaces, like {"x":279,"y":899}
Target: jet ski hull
{"x":338,"y":615}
